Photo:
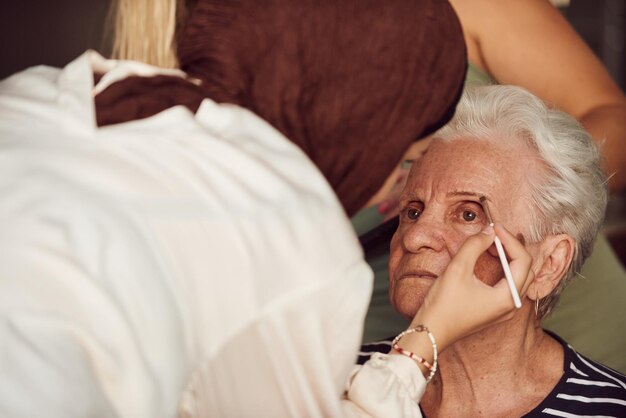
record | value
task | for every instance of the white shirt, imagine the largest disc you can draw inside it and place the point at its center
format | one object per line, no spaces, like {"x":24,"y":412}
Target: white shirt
{"x":192,"y":265}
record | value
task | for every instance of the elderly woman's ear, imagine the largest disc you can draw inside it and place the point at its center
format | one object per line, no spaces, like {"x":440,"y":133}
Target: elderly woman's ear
{"x":552,"y":260}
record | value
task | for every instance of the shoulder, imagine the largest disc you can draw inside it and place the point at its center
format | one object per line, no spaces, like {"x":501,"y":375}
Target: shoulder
{"x":28,"y":95}
{"x":586,"y":388}
{"x":587,"y":370}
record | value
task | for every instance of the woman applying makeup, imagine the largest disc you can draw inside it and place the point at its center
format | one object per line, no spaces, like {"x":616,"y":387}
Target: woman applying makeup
{"x":175,"y":243}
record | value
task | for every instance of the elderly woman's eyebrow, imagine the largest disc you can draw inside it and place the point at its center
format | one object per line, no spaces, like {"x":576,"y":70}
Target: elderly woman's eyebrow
{"x":466,"y":193}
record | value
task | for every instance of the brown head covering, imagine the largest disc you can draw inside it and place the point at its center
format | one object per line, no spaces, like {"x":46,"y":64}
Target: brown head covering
{"x":352,"y":82}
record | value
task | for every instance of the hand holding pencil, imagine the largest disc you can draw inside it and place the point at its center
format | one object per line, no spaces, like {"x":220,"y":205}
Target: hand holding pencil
{"x":505,"y":264}
{"x":459,"y":303}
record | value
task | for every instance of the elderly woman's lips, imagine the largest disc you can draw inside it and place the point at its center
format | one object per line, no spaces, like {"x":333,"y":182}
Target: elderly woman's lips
{"x":419,"y":274}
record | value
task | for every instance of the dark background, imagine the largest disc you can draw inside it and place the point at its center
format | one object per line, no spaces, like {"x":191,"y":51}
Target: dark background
{"x":51,"y":32}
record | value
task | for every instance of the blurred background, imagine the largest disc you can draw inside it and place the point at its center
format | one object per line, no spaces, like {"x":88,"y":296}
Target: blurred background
{"x":54,"y":32}
{"x":34,"y":32}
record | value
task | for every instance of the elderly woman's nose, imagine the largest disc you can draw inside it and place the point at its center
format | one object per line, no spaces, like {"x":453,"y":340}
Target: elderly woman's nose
{"x":426,"y":233}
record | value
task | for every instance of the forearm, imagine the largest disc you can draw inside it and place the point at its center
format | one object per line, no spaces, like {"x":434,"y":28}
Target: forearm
{"x":607,"y":124}
{"x":420,"y":343}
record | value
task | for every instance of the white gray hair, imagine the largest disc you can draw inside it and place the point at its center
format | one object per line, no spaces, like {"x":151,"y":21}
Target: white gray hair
{"x":570,"y":195}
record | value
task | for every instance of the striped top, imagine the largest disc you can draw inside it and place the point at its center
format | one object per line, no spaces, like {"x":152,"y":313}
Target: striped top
{"x":587,"y":388}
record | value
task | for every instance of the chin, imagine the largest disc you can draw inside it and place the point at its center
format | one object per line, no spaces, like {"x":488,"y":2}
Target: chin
{"x":407,"y":299}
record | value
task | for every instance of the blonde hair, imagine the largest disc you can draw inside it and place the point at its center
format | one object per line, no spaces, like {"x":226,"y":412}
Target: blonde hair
{"x":145,"y":30}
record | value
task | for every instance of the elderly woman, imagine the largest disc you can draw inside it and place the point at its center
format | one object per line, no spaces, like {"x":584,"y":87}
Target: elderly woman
{"x":549,"y":68}
{"x":540,"y":174}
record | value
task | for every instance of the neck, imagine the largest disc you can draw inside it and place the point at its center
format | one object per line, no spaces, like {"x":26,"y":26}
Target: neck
{"x":516,"y":357}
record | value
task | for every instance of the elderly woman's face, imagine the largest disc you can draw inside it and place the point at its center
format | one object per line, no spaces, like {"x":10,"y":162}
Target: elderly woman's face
{"x":440,"y":208}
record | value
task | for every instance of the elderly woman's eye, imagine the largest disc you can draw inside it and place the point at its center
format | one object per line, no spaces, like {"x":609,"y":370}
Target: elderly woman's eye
{"x":413,"y":213}
{"x":469,"y":216}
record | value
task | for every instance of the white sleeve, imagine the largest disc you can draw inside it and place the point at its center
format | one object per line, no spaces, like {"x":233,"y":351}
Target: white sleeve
{"x":385,"y":386}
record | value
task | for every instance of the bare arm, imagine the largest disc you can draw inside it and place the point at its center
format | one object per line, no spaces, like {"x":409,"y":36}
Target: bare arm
{"x":530,"y":44}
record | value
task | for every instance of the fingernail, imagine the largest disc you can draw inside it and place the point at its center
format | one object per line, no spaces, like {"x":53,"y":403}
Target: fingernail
{"x":488,"y":230}
{"x":383,"y":208}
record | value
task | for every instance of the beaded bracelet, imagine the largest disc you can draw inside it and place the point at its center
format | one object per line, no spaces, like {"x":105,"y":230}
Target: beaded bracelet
{"x":419,"y":328}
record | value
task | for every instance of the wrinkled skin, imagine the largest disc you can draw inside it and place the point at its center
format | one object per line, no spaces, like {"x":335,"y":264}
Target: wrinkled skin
{"x":440,"y":209}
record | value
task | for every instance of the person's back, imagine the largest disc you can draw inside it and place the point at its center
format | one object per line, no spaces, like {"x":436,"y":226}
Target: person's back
{"x":205,"y":262}
{"x":133,"y":255}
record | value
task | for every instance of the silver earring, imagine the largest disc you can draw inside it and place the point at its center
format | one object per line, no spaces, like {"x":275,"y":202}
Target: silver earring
{"x":537,"y":304}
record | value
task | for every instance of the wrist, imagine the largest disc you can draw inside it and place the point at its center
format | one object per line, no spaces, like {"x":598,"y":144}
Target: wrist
{"x":419,"y":344}
{"x":436,"y":327}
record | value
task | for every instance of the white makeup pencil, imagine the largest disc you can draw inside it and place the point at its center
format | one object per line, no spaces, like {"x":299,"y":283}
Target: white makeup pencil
{"x":502,"y":256}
